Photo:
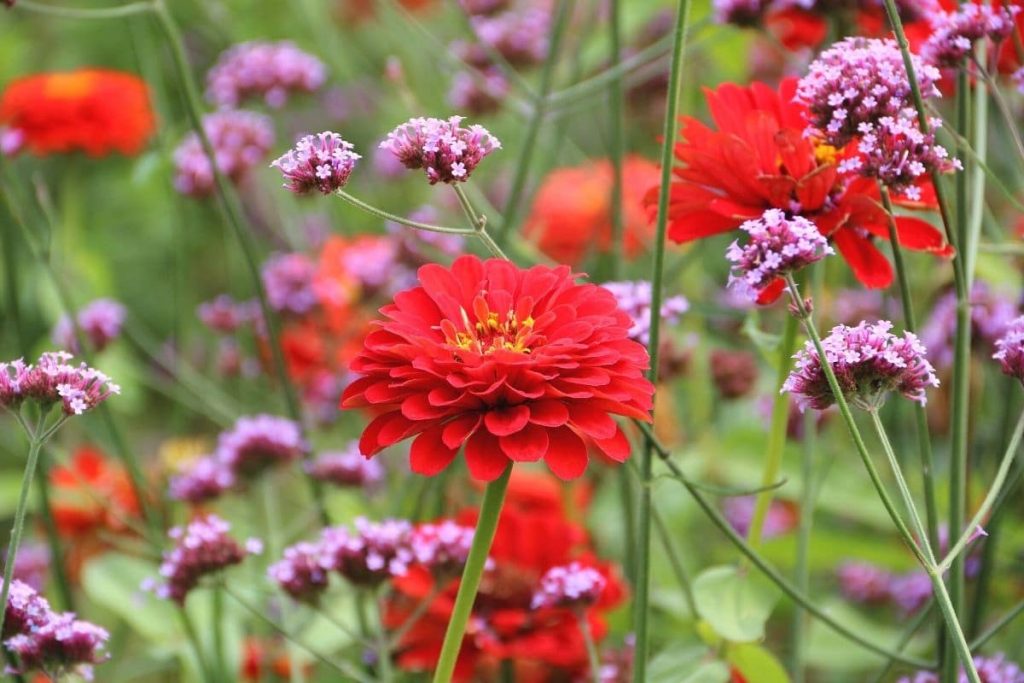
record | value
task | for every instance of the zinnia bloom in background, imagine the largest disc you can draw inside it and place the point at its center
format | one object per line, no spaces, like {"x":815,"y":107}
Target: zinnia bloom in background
{"x":534,"y":535}
{"x":571,"y":214}
{"x":518,"y":365}
{"x":95,"y":111}
{"x":92,"y":493}
{"x":758,"y":158}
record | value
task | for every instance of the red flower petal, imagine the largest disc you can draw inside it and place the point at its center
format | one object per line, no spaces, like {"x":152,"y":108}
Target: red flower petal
{"x":567,"y":454}
{"x":527,"y":445}
{"x":592,"y":421}
{"x":484,"y":457}
{"x":429,"y":455}
{"x":617,"y":448}
{"x":549,"y":413}
{"x":507,"y":421}
{"x":867,"y":263}
{"x":458,"y":430}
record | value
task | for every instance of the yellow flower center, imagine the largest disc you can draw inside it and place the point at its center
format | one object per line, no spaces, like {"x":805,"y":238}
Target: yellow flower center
{"x":825,"y":154}
{"x":69,"y":86}
{"x":491,"y":332}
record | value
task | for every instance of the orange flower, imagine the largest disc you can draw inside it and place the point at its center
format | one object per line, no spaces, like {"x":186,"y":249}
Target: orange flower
{"x":91,"y":493}
{"x":93,"y":110}
{"x":572,"y":211}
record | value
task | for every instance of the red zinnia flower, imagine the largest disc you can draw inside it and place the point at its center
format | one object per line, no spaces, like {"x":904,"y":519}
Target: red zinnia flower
{"x":571,"y":214}
{"x":91,"y":493}
{"x":758,"y":158}
{"x":92,"y":110}
{"x":518,"y":365}
{"x":543,"y":645}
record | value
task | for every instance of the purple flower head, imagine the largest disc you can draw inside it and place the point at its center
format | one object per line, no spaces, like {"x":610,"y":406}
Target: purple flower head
{"x":321,"y":162}
{"x":573,"y":585}
{"x":32,"y":564}
{"x":898,"y":154}
{"x":240,"y":139}
{"x":60,"y":646}
{"x":991,"y":315}
{"x":520,"y":36}
{"x":259,"y":442}
{"x":12,"y":141}
{"x":100,"y":322}
{"x":777,"y":247}
{"x":1018,"y":79}
{"x":868,"y":361}
{"x":370,"y":554}
{"x":863,"y":582}
{"x":739,"y":12}
{"x":348,"y":468}
{"x":302,"y":572}
{"x":911,"y":591}
{"x":994,"y":669}
{"x":857,"y":81}
{"x":201,"y":548}
{"x":1010,"y":349}
{"x":954,"y":34}
{"x":634,"y":297}
{"x":224,"y":314}
{"x":288,"y":279}
{"x":442,"y":547}
{"x":204,"y":479}
{"x":53,"y":380}
{"x":443,"y":148}
{"x":739,"y":511}
{"x":25,"y":611}
{"x":268,"y":70}
{"x":478,"y":92}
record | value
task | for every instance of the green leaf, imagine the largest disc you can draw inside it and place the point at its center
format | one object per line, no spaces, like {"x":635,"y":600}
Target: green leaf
{"x":686,"y":665}
{"x":756,"y":663}
{"x":112,"y":581}
{"x":737,"y":606}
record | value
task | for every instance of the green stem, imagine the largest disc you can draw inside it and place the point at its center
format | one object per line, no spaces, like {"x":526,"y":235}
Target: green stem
{"x":1004,"y":111}
{"x":58,"y":565}
{"x":617,"y":138}
{"x":685,"y":584}
{"x":776,"y":436}
{"x":588,"y":641}
{"x":627,"y":501}
{"x":383,"y":646}
{"x":670,"y":132}
{"x":772,"y":574}
{"x":998,"y":626}
{"x":380,"y":213}
{"x":479,"y":223}
{"x":901,"y":485}
{"x":219,"y":665}
{"x":238,"y":222}
{"x":990,"y":498}
{"x":908,"y":634}
{"x":35,"y":445}
{"x":510,"y":213}
{"x":193,"y":639}
{"x":127,"y":10}
{"x":486,"y":526}
{"x":924,"y":443}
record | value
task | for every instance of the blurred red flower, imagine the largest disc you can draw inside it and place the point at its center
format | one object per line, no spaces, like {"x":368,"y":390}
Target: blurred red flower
{"x":534,"y":534}
{"x":518,"y":365}
{"x":758,"y":158}
{"x":797,"y":27}
{"x":91,"y":110}
{"x":91,"y":493}
{"x":571,"y":214}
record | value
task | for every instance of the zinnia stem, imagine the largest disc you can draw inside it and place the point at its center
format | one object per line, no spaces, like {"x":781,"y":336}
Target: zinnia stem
{"x":35,"y":445}
{"x":483,"y":537}
{"x":617,"y":138}
{"x":671,"y":129}
{"x":924,"y":443}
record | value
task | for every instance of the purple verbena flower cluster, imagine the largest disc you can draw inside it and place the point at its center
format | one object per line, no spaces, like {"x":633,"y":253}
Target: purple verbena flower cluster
{"x":288,"y":281}
{"x":634,"y":297}
{"x":868,"y":361}
{"x":55,"y":643}
{"x":225,"y":315}
{"x":53,"y":380}
{"x":262,"y":69}
{"x":443,"y":148}
{"x":321,"y":162}
{"x":994,"y":669}
{"x":100,"y":323}
{"x":573,"y":586}
{"x":777,"y":246}
{"x":371,"y":553}
{"x":302,"y":572}
{"x":348,"y":468}
{"x":201,"y":548}
{"x":858,"y":81}
{"x":442,"y":547}
{"x":478,"y":92}
{"x":32,"y":564}
{"x":255,"y":444}
{"x":954,"y":34}
{"x":739,"y":512}
{"x":519,"y":35}
{"x":240,"y":140}
{"x":739,"y":12}
{"x":991,"y":315}
{"x":899,"y":155}
{"x":1010,"y":349}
